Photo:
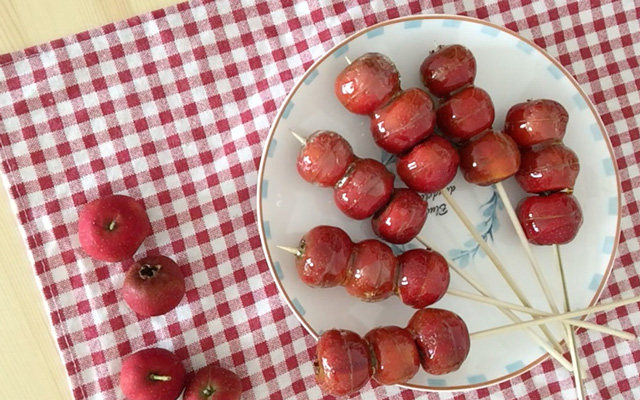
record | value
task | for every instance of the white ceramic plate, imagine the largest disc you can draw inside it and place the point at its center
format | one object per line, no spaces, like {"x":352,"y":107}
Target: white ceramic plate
{"x":512,"y":70}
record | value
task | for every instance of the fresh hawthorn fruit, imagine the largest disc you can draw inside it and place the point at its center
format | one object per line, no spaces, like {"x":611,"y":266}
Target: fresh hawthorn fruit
{"x":429,"y":166}
{"x":448,"y":69}
{"x":423,"y":277}
{"x":442,"y":338}
{"x":214,"y":383}
{"x":367,"y":83}
{"x":407,"y":119}
{"x":489,"y":158}
{"x":153,"y":285}
{"x":536,"y":122}
{"x":396,"y":358}
{"x":372,"y":271}
{"x":324,"y":159}
{"x":402,"y":218}
{"x":323,"y":256}
{"x":548,"y":168}
{"x":112,"y":228}
{"x":553,"y":219}
{"x":465,"y":114}
{"x":364,"y":189}
{"x":342,"y":364}
{"x":152,"y":374}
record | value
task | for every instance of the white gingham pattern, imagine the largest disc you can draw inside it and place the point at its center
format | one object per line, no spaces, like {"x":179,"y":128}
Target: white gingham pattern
{"x":172,"y":108}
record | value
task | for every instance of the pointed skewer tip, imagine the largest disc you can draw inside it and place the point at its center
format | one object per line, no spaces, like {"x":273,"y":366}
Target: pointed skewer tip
{"x":291,"y":250}
{"x":299,"y":138}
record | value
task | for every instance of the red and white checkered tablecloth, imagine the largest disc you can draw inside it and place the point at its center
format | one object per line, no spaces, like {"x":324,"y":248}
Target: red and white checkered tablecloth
{"x":172,"y":107}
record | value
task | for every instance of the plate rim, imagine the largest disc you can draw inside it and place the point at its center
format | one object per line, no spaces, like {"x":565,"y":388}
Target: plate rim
{"x":420,"y":17}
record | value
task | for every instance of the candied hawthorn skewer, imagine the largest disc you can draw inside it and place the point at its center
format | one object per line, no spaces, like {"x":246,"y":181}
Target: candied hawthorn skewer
{"x":368,"y":270}
{"x":548,"y":166}
{"x":364,"y":189}
{"x":553,"y":219}
{"x":435,"y":338}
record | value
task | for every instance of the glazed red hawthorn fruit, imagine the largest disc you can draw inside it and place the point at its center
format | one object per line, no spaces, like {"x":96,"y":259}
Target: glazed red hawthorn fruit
{"x":324,"y":254}
{"x":404,"y":121}
{"x":152,"y":374}
{"x":342,"y":364}
{"x":367,"y":83}
{"x":372,"y":271}
{"x":448,"y":69}
{"x":536,"y":122}
{"x":214,"y":383}
{"x":548,"y":168}
{"x":423,"y":277}
{"x":153,"y":286}
{"x":553,"y":219}
{"x":324,"y":159}
{"x":402,"y":218}
{"x":429,"y":166}
{"x":489,"y":158}
{"x":465,"y":114}
{"x":364,"y":189}
{"x":396,"y":358}
{"x":442,"y":338}
{"x":112,"y":228}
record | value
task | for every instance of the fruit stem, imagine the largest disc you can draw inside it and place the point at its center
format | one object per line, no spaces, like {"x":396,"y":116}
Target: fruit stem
{"x":208,"y":391}
{"x":149,"y":271}
{"x":112,"y":226}
{"x":156,"y":377}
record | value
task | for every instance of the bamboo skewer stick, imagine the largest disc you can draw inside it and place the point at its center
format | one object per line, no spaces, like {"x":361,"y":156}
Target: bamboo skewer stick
{"x":498,"y":303}
{"x":300,"y":139}
{"x":552,"y":348}
{"x":527,"y":247}
{"x":571,"y":337}
{"x":291,"y":250}
{"x":493,"y":257}
{"x":568,"y":331}
{"x":557,"y":317}
{"x":539,"y":313}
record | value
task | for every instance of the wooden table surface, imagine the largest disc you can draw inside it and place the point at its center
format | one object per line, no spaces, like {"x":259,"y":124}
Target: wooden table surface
{"x":30,"y":367}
